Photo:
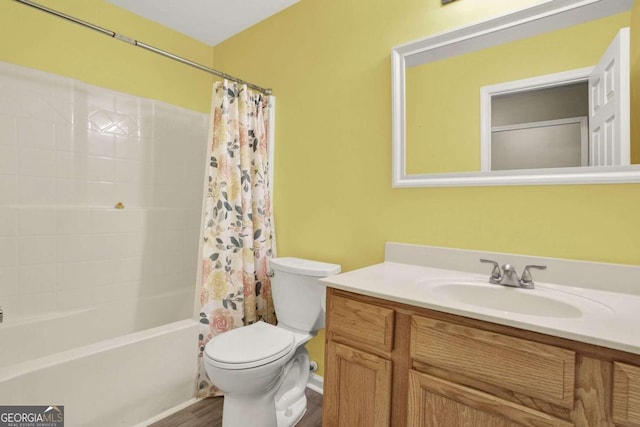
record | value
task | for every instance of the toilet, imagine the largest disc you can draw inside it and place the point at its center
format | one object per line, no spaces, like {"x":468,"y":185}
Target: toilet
{"x":263,"y":369}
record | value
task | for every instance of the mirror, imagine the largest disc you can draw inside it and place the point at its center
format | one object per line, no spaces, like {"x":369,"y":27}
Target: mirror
{"x":446,"y":86}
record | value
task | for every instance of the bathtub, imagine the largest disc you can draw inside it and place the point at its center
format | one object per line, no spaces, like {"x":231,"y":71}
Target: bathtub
{"x":105,"y":365}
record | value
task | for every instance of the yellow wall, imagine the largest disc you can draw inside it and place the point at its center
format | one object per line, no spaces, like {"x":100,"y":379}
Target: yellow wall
{"x":35,"y":39}
{"x":329,"y":64}
{"x":436,"y":139}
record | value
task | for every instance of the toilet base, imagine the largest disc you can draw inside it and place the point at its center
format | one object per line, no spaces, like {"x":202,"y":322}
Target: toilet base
{"x":260,"y":412}
{"x":257,"y":410}
{"x":290,"y":416}
{"x":280,"y":404}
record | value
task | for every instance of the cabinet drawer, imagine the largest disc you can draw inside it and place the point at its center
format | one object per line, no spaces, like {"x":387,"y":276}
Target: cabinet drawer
{"x":355,"y":322}
{"x":626,"y":394}
{"x":534,"y":369}
{"x":434,"y":402}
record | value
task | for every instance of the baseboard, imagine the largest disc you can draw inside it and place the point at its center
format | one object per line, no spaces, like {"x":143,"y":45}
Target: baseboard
{"x":165,"y":414}
{"x":316,"y":383}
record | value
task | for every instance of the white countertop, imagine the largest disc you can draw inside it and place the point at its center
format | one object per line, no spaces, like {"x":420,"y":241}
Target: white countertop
{"x":609,"y":319}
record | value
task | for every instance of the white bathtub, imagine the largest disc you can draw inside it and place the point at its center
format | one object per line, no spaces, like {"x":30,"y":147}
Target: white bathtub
{"x":102,"y":364}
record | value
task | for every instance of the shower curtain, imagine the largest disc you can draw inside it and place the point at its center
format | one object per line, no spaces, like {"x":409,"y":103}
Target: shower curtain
{"x":238,"y":234}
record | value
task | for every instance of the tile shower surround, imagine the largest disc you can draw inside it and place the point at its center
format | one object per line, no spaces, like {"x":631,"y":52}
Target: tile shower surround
{"x":69,"y":152}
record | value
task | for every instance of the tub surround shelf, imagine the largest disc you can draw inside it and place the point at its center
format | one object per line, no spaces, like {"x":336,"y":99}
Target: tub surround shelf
{"x":399,"y":353}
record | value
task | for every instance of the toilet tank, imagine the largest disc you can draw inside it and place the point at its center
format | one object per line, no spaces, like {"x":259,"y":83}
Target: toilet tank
{"x":297,"y":293}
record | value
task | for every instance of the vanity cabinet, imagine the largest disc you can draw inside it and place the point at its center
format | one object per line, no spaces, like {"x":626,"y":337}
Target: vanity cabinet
{"x":359,"y":353}
{"x":391,"y":364}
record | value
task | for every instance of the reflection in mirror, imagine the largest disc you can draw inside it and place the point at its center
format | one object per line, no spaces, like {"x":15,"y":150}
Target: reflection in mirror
{"x":440,"y":123}
{"x":569,"y":119}
{"x":540,"y":128}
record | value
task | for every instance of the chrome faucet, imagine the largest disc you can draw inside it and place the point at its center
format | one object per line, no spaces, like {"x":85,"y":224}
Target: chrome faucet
{"x":507,"y":276}
{"x":1,"y":315}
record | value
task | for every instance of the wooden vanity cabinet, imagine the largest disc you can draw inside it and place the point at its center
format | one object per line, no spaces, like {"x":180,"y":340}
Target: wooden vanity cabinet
{"x":358,"y":349}
{"x":390,"y":364}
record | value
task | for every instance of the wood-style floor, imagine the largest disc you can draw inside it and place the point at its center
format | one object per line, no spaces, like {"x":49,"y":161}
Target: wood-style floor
{"x":208,"y":413}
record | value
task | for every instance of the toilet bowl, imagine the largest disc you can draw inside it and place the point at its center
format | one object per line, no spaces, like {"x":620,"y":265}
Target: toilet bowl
{"x":263,"y":369}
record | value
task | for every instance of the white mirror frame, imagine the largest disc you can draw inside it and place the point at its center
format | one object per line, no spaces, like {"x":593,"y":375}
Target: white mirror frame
{"x":548,"y":16}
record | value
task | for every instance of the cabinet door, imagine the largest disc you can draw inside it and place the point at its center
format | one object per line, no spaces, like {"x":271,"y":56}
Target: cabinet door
{"x":357,"y":388}
{"x":434,"y":402}
{"x":626,"y":394}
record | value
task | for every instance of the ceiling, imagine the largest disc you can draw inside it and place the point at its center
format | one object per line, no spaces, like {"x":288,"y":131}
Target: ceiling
{"x":210,"y":21}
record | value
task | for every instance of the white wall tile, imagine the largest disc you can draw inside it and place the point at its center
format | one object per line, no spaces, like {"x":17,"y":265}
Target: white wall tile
{"x":71,"y":192}
{"x":35,"y":304}
{"x":73,"y":221}
{"x":117,"y":220}
{"x":37,"y":221}
{"x":74,"y":248}
{"x":12,"y":306}
{"x":131,"y":148}
{"x":99,"y":144}
{"x":37,"y":162}
{"x":62,"y":101}
{"x":129,"y":170}
{"x":128,"y":244}
{"x":128,"y":269}
{"x":115,"y":292}
{"x":38,"y":278}
{"x":66,"y":148}
{"x":100,"y":169}
{"x":73,"y":275}
{"x":86,"y":274}
{"x":129,"y":105}
{"x":37,"y":250}
{"x":104,"y":272}
{"x":8,"y":221}
{"x":9,"y":284}
{"x":35,"y":190}
{"x":30,"y":82}
{"x":8,"y":159}
{"x":75,"y":298}
{"x":8,"y":189}
{"x":71,"y":165}
{"x":99,"y":99}
{"x":132,"y":195}
{"x":8,"y":251}
{"x":71,"y":138}
{"x":101,"y":194}
{"x":35,"y":134}
{"x":109,"y":246}
{"x":8,"y":130}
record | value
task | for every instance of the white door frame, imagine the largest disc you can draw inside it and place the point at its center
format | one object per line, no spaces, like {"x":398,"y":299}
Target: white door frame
{"x":539,"y":82}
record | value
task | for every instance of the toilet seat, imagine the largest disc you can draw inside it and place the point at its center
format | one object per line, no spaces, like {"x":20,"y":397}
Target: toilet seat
{"x":249,"y":347}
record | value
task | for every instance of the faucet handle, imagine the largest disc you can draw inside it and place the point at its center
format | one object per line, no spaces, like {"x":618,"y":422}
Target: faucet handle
{"x":496,"y":274}
{"x":527,"y":279}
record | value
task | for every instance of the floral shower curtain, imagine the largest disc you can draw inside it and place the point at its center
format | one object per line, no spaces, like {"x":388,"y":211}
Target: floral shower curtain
{"x":238,"y":238}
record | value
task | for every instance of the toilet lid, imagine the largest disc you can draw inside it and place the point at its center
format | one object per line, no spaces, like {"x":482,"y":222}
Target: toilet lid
{"x":250,"y":346}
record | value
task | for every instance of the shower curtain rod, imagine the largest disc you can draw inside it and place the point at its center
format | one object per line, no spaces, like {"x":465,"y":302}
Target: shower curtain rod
{"x":142,"y":45}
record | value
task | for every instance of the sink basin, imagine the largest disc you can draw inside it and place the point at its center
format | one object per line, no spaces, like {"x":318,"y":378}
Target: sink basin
{"x":541,"y":302}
